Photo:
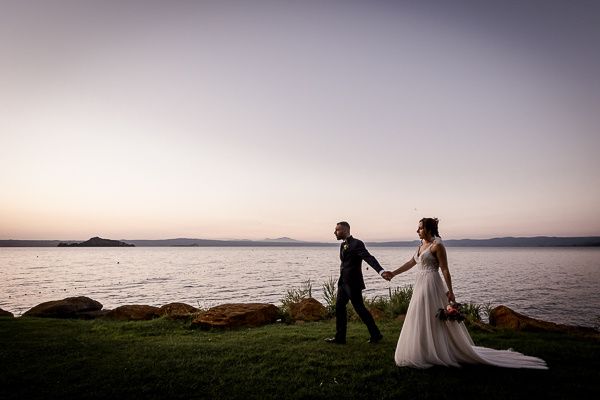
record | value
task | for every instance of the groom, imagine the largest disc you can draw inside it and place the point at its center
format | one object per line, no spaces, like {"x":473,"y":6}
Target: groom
{"x":351,"y":284}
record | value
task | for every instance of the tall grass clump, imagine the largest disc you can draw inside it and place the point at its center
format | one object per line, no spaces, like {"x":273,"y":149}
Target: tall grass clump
{"x":294,"y":295}
{"x":399,"y":299}
{"x":477,"y":312}
{"x":396,"y":303}
{"x":330,"y":298}
{"x":330,"y":295}
{"x":472,"y":311}
{"x":487,"y":308}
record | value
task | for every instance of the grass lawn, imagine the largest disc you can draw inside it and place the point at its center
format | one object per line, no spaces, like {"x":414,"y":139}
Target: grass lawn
{"x":50,"y":358}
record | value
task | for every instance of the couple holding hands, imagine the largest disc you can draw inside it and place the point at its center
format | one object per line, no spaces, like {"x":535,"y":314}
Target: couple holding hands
{"x":424,"y":340}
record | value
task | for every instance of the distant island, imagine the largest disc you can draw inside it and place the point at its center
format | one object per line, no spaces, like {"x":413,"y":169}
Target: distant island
{"x":97,"y":242}
{"x":538,"y":241}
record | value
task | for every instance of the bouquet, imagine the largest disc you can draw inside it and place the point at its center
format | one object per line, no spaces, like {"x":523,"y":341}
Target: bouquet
{"x":452,"y":312}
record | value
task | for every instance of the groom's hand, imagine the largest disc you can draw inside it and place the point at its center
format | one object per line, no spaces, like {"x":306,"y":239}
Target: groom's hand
{"x":387,"y":275}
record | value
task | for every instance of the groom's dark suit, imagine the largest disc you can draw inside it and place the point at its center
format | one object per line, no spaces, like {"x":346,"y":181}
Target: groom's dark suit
{"x":351,"y":285}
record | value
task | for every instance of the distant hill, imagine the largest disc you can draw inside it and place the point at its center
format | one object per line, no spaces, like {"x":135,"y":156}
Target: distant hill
{"x":539,"y":241}
{"x":282,"y":240}
{"x":97,"y":242}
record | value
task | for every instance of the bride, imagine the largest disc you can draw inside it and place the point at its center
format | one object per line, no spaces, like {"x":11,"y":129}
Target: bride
{"x":425,"y":340}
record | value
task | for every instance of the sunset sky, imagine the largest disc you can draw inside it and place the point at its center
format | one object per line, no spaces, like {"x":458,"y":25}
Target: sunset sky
{"x":254,"y":119}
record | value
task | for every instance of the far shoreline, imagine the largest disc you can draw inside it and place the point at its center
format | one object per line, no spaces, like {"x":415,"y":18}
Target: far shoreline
{"x":506,"y":242}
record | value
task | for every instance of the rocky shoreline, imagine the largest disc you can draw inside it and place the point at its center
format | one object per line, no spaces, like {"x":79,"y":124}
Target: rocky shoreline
{"x":238,"y":315}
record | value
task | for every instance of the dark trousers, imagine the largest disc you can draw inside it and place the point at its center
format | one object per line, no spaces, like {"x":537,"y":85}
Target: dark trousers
{"x":341,"y":318}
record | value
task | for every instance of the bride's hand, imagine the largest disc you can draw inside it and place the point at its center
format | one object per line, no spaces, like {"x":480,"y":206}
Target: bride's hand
{"x":450,"y":296}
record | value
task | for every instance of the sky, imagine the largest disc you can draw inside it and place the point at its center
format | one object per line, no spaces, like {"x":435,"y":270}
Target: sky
{"x":261,"y":119}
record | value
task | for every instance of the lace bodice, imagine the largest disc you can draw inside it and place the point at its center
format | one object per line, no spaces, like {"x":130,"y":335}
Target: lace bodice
{"x":426,"y":261}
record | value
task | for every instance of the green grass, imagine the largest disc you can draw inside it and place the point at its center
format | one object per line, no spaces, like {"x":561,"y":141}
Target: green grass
{"x":48,"y":358}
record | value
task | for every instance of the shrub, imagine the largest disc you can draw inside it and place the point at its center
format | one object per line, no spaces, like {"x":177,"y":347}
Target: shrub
{"x":330,"y":295}
{"x":294,"y":295}
{"x":471,"y":311}
{"x":394,"y":304}
{"x":487,"y":309}
{"x":399,"y":299}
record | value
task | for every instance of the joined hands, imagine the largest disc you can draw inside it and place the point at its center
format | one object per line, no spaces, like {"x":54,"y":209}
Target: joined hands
{"x":387,"y":275}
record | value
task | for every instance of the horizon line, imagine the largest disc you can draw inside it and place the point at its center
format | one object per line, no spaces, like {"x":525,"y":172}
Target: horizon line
{"x":280,"y":239}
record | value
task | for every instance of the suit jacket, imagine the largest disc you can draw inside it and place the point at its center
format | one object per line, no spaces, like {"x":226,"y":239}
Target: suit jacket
{"x":352,"y":254}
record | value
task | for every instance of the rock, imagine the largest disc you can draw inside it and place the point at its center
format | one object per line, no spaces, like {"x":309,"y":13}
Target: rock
{"x":237,"y":315}
{"x":71,"y":307}
{"x":5,"y":314}
{"x":175,"y":310}
{"x":133,"y":312}
{"x":504,"y":317}
{"x":307,"y":310}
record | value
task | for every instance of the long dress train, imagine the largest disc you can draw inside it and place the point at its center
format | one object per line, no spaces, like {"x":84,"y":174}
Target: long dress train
{"x":426,"y":341}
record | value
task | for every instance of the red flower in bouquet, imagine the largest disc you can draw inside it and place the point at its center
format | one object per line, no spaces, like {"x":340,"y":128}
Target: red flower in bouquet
{"x":452,"y":312}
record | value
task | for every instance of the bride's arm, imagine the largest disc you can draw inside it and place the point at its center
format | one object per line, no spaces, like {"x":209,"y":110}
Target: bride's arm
{"x":440,"y":253}
{"x":407,"y":265}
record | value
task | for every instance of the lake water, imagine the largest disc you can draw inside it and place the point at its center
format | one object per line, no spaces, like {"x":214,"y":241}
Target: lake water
{"x":555,"y":284}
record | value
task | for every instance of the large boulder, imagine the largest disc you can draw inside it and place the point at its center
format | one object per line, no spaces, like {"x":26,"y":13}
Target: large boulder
{"x":307,"y":310}
{"x":5,"y":314}
{"x":177,"y":310}
{"x":237,"y":315}
{"x":71,"y":307}
{"x":133,"y":312}
{"x":504,"y":317}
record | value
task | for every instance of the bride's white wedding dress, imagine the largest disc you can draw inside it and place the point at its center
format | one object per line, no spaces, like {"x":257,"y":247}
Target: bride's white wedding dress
{"x":426,"y":341}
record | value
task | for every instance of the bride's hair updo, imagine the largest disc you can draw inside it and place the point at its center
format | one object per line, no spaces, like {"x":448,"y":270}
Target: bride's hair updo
{"x":431,"y":226}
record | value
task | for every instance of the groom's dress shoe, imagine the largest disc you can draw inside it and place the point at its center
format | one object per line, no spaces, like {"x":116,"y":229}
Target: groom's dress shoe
{"x":375,"y":339}
{"x":335,"y":341}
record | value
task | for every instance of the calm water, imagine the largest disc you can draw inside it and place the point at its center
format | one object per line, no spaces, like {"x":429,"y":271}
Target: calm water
{"x":556,"y":284}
